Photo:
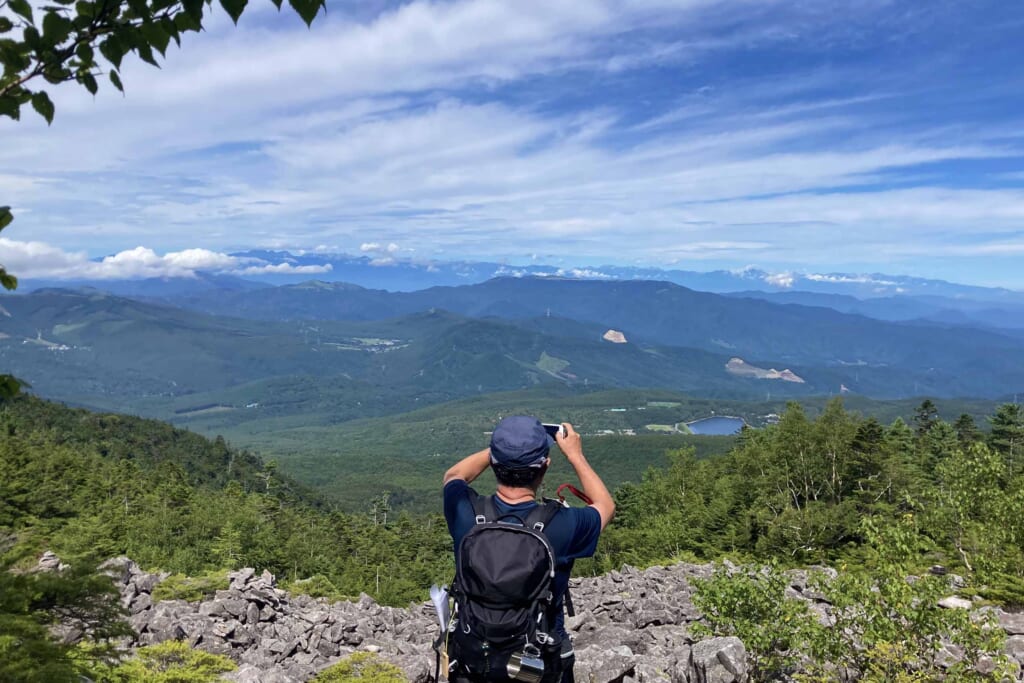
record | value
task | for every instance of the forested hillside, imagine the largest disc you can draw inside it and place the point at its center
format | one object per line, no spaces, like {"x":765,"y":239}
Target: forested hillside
{"x":96,"y":486}
{"x":798,"y":492}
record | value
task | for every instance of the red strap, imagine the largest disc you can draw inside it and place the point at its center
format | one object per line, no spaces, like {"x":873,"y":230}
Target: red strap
{"x":575,"y":491}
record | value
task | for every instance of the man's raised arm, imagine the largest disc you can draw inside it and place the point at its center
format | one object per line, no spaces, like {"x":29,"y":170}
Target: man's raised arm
{"x":470,"y":467}
{"x":572,"y":446}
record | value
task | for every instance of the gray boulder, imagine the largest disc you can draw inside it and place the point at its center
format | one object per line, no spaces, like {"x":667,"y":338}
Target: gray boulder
{"x":718,"y":660}
{"x":595,"y":664}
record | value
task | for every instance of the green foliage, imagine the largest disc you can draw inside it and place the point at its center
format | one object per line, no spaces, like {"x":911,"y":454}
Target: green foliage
{"x":9,"y":385}
{"x":361,"y":666}
{"x":59,"y":44}
{"x":796,"y":493}
{"x":1007,"y":435}
{"x":750,"y":603}
{"x":317,"y":586}
{"x":105,"y":484}
{"x":172,"y":661}
{"x":31,"y":602}
{"x":191,"y":588}
{"x":887,"y":625}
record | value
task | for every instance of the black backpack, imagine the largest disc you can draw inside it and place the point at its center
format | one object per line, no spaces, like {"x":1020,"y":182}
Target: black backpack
{"x":503,"y":591}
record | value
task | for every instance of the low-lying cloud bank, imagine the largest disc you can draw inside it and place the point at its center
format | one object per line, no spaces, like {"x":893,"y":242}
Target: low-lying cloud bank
{"x":44,"y":261}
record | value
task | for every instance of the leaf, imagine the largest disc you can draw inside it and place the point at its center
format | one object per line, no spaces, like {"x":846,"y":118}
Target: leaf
{"x":89,"y":81}
{"x":169,"y":26}
{"x":32,"y":38}
{"x":6,"y":217}
{"x":139,"y":8}
{"x":155,"y":36}
{"x":85,"y":53}
{"x":5,"y":24}
{"x":9,"y":107}
{"x":307,"y":9}
{"x":85,"y":9}
{"x":42,"y":104}
{"x":277,"y":3}
{"x":113,"y":50}
{"x":56,"y":28}
{"x":145,"y":53}
{"x":10,"y":386}
{"x":22,"y":8}
{"x":186,"y":22}
{"x":194,"y":9}
{"x":234,"y":8}
{"x":116,"y":80}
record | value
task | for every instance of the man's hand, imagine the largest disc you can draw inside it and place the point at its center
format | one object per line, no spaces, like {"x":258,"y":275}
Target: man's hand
{"x":572,"y":446}
{"x":569,"y":441}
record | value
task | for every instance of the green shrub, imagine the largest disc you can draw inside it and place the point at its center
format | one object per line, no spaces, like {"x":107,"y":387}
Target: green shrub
{"x":191,"y":588}
{"x":361,"y":666}
{"x":317,"y":586}
{"x":750,"y":603}
{"x":172,"y":662}
{"x":888,"y":625}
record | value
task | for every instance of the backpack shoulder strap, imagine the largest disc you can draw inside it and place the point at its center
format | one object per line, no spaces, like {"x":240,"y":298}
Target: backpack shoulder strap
{"x":484,"y":509}
{"x":540,"y":516}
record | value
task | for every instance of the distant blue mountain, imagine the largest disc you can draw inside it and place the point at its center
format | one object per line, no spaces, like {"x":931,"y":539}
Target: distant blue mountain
{"x":879,"y":296}
{"x":151,"y":288}
{"x":409,"y":275}
{"x":930,"y":309}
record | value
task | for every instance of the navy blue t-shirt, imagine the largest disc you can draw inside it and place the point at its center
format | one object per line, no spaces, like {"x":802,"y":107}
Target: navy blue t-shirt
{"x":572,"y":533}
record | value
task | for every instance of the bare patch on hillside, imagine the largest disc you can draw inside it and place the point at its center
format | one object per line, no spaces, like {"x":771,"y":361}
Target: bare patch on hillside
{"x":741,"y":368}
{"x":614,"y":336}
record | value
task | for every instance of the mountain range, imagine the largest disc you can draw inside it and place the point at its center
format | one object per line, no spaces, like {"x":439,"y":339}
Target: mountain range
{"x":441,"y":343}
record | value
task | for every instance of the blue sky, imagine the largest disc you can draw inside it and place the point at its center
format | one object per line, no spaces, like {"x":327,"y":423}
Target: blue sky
{"x":794,"y":136}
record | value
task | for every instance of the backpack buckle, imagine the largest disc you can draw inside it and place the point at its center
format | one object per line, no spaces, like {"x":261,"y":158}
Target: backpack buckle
{"x":480,"y":519}
{"x":539,"y":526}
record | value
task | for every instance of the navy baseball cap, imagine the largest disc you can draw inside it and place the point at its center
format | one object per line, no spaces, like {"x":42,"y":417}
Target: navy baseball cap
{"x":520,"y":442}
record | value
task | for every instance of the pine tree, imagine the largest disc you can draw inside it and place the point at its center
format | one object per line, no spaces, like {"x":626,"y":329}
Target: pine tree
{"x":1007,"y":435}
{"x":967,"y":431}
{"x":925,"y":417}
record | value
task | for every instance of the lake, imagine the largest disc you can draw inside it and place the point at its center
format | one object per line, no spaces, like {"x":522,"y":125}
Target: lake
{"x":716,"y":426}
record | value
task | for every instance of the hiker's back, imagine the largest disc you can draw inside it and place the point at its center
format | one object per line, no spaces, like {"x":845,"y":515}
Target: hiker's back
{"x":503,"y":594}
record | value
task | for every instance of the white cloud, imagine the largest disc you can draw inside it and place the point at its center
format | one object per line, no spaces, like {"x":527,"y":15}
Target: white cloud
{"x":783,"y":280}
{"x":283,"y":269}
{"x":38,"y":260}
{"x":583,"y":274}
{"x":858,"y":279}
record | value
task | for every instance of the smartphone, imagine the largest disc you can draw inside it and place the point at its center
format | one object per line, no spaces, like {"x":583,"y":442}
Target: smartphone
{"x":553,"y":430}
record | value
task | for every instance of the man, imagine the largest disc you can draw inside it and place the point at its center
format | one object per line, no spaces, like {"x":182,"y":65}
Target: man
{"x":518,"y":454}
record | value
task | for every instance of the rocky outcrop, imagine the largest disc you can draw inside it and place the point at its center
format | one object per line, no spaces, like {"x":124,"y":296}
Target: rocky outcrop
{"x":614,"y":336}
{"x":630,"y":626}
{"x":741,"y":368}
